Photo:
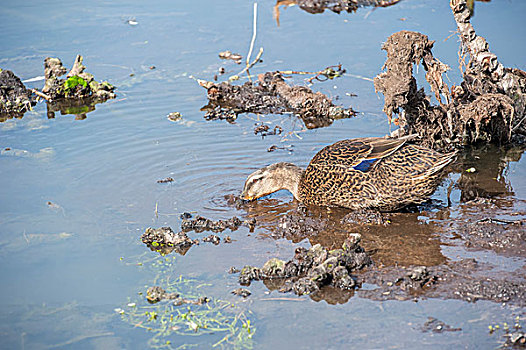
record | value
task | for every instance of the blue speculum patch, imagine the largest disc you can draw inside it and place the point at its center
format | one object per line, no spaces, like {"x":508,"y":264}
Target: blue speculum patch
{"x":365,"y":164}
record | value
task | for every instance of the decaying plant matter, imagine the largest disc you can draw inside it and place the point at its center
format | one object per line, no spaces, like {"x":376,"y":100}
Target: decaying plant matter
{"x":487,"y":106}
{"x":15,"y":99}
{"x":271,"y":94}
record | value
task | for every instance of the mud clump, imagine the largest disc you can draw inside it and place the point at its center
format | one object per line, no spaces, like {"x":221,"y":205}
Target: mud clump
{"x":366,"y":217}
{"x":272,"y":95}
{"x":15,"y":99}
{"x":487,"y":106}
{"x":78,"y":93}
{"x":200,"y":224}
{"x":312,"y":269}
{"x":337,"y":6}
{"x":164,"y":240}
{"x":156,"y":294}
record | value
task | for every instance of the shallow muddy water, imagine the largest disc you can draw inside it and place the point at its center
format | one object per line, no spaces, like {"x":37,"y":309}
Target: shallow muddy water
{"x":76,"y":195}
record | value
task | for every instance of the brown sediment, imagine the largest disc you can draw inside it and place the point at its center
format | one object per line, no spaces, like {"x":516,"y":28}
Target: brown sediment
{"x":272,"y":95}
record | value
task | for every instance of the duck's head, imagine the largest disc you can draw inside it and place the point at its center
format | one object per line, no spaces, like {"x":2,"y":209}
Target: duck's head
{"x":272,"y":178}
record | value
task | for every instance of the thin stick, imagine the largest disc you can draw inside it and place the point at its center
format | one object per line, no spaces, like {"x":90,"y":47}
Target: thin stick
{"x":256,"y":60}
{"x":254,"y":31}
{"x":41,"y":94}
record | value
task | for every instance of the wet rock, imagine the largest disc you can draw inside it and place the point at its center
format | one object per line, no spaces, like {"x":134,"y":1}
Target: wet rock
{"x":272,"y":95}
{"x":312,"y":269}
{"x":227,"y":239}
{"x":15,"y":99}
{"x":241,"y":292}
{"x":200,"y":224}
{"x":437,"y":326}
{"x":233,"y":269}
{"x":164,"y":240}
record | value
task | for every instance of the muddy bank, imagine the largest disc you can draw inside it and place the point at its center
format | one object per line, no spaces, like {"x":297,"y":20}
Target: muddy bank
{"x":466,"y":279}
{"x":487,"y":106}
{"x":272,"y":95}
{"x":15,"y":98}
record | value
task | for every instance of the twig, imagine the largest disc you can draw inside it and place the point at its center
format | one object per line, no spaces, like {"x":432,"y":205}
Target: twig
{"x":41,"y":94}
{"x":256,"y":60}
{"x":254,"y":31}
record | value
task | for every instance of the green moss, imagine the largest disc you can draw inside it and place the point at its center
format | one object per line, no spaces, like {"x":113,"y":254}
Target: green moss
{"x":72,"y":82}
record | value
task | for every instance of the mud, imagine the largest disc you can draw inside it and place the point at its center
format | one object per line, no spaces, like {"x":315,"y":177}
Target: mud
{"x":78,"y":93}
{"x":164,"y":241}
{"x":200,"y":224}
{"x":311,"y":269}
{"x":337,"y":6}
{"x":272,"y":95}
{"x":15,"y":99}
{"x":156,"y":294}
{"x":485,"y":107}
{"x":437,"y":326}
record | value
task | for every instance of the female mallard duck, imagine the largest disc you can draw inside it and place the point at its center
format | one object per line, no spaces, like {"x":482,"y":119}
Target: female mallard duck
{"x":369,"y":172}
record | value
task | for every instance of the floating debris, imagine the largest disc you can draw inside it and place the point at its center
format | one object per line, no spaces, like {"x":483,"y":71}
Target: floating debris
{"x":212,"y":239}
{"x":272,"y":95}
{"x":78,"y":93}
{"x":174,"y":116}
{"x":164,"y":240}
{"x":263,"y":130}
{"x":200,"y":224}
{"x":15,"y":99}
{"x":227,"y":55}
{"x":166,"y":180}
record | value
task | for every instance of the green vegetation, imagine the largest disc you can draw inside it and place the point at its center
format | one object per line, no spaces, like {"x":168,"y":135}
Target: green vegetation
{"x":217,"y":323}
{"x":72,"y":82}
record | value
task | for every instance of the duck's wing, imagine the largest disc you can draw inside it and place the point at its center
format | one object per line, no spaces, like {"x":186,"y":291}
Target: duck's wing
{"x":359,"y":154}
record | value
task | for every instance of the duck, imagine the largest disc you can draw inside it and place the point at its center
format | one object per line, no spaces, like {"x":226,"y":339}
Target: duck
{"x":386,"y":174}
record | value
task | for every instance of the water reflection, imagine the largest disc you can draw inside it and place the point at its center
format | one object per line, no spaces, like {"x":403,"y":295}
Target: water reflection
{"x":407,"y":238}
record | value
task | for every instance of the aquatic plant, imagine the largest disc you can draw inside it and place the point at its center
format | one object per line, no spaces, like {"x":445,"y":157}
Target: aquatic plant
{"x":219,"y":322}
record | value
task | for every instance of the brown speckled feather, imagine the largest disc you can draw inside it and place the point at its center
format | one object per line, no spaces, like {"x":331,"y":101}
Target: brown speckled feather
{"x":398,"y":174}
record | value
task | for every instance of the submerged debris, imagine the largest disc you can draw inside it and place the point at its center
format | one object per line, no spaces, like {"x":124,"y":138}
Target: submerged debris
{"x":156,"y":294}
{"x":272,"y":95}
{"x":200,"y":224}
{"x":437,"y":326}
{"x":313,"y":268}
{"x":488,"y":106}
{"x":15,"y":99}
{"x":164,"y":240}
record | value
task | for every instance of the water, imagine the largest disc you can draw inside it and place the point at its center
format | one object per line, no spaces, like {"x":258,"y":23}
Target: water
{"x":68,"y":265}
